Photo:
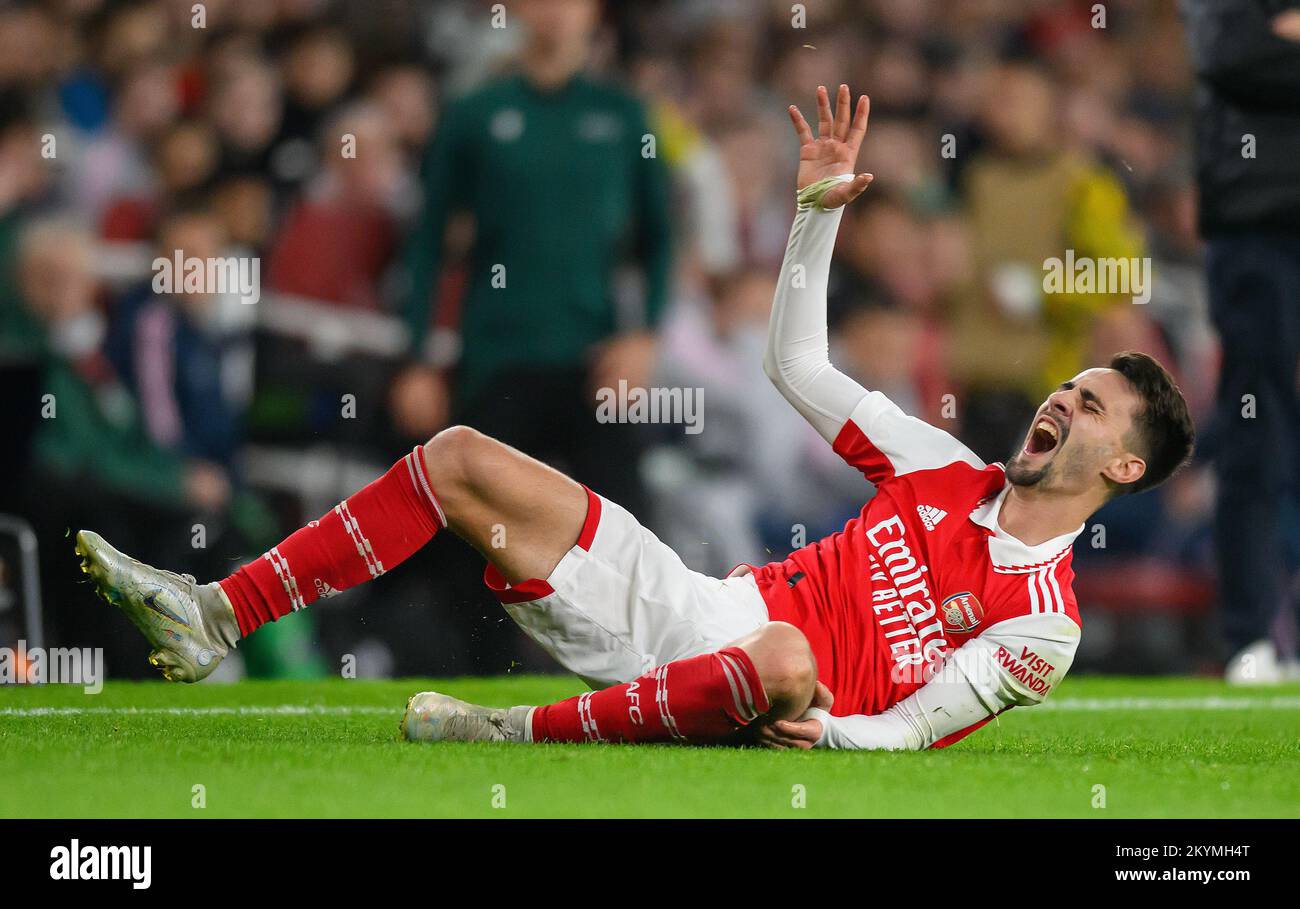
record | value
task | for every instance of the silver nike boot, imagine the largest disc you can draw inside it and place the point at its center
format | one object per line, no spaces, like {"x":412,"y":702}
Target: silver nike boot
{"x":434,"y":717}
{"x":190,"y":626}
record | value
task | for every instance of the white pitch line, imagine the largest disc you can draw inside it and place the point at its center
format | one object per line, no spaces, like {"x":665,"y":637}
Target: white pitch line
{"x":1067,"y":704}
{"x":269,"y":710}
{"x":1278,"y":702}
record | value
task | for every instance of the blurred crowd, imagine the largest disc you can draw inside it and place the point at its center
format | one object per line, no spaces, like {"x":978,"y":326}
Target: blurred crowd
{"x":641,"y":245}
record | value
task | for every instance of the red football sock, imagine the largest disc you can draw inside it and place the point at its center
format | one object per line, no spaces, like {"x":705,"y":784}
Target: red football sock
{"x":700,"y":699}
{"x":359,"y":539}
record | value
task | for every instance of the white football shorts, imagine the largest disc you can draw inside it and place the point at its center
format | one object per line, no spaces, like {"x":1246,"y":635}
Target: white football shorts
{"x":620,"y":602}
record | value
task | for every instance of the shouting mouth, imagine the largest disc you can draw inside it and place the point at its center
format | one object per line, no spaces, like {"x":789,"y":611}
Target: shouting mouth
{"x":1045,"y":436}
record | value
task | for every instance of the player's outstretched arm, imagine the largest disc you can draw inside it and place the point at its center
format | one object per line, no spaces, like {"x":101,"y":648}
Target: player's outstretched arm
{"x":884,"y":442}
{"x":797,"y":357}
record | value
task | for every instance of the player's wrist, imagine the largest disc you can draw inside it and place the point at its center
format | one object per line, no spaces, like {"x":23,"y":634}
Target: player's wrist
{"x":811,"y":195}
{"x":822,"y":717}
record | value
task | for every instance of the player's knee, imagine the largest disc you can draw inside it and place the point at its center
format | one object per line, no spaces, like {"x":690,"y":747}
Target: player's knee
{"x":449,"y":458}
{"x":464,"y":465}
{"x":786,"y":667}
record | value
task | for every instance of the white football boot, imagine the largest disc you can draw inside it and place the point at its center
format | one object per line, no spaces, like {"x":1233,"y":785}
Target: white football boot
{"x":434,"y":717}
{"x":190,"y":626}
{"x":1257,"y":664}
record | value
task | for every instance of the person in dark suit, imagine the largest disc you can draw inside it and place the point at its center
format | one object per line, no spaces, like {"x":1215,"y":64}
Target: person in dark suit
{"x":1246,"y":55}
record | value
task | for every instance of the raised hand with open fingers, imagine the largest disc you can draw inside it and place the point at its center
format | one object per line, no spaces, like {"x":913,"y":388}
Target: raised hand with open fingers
{"x":835,"y":149}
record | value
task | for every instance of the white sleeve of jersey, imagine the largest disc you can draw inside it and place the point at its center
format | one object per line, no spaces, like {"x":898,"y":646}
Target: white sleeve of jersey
{"x":797,"y":359}
{"x":1016,"y":662}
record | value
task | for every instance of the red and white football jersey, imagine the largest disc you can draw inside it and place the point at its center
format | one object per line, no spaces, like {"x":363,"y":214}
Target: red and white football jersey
{"x":924,"y":575}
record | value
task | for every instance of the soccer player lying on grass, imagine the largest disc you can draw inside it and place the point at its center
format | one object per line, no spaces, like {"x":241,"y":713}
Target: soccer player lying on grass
{"x":944,"y":603}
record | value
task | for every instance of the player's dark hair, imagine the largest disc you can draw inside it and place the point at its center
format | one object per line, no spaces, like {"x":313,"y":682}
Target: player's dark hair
{"x":1162,"y":426}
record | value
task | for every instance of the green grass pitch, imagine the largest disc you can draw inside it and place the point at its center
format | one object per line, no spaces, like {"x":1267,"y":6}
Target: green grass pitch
{"x":1159,"y":747}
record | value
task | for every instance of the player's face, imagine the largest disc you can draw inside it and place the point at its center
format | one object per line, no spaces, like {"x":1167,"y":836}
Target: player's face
{"x":1079,"y":437}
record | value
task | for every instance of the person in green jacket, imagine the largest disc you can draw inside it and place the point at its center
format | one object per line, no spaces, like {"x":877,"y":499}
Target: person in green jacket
{"x":561,"y":174}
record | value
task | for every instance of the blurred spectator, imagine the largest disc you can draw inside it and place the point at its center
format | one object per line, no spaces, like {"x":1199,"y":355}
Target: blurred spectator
{"x":405,"y":93}
{"x":339,"y":238}
{"x":29,"y":39}
{"x":246,"y":107}
{"x":708,"y":229}
{"x":176,"y":357}
{"x":245,"y":205}
{"x":756,"y":477}
{"x":1029,"y":201}
{"x":185,"y":158}
{"x":318,"y":67}
{"x":114,"y":162}
{"x":24,"y":179}
{"x":899,"y":269}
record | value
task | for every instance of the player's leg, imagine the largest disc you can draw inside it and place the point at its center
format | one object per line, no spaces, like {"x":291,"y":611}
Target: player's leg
{"x":674,"y":655}
{"x":520,"y":513}
{"x":768,"y":675}
{"x":1253,"y":284}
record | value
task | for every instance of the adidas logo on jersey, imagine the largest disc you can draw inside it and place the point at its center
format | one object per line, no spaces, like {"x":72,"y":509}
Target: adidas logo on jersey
{"x":930,"y":516}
